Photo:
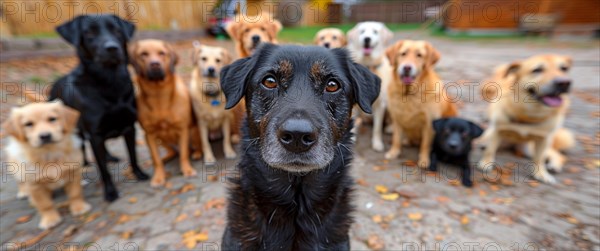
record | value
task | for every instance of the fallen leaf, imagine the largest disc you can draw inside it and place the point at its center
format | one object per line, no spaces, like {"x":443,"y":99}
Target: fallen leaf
{"x":442,"y":199}
{"x":494,"y":188}
{"x":568,"y":182}
{"x":132,"y":200}
{"x":381,"y":189}
{"x":410,"y":163}
{"x":92,"y":217}
{"x":379,"y":168}
{"x":397,"y":175}
{"x":191,"y":238}
{"x":69,"y":231}
{"x":212,"y":178}
{"x":375,"y":243}
{"x":482,"y":193}
{"x":390,"y":196}
{"x":187,"y":187}
{"x":197,"y":213}
{"x":407,"y":194}
{"x":175,"y":201}
{"x":217,"y":203}
{"x":377,"y":218}
{"x":181,"y":218}
{"x":29,"y":242}
{"x":362,"y":182}
{"x":24,"y":218}
{"x":464,"y":220}
{"x":569,"y":218}
{"x":415,"y":216}
{"x":126,"y":235}
{"x":533,"y":183}
{"x":123,"y":218}
{"x":439,"y":237}
{"x":454,"y":182}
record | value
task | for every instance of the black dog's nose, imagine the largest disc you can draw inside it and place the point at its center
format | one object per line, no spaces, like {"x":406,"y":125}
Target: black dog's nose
{"x":297,"y":135}
{"x":46,"y":138}
{"x":211,"y":71}
{"x":562,"y":84}
{"x":406,"y":68}
{"x":154,"y":65}
{"x":255,"y":39}
{"x":367,"y":41}
{"x":326,"y":45}
{"x":111,"y":46}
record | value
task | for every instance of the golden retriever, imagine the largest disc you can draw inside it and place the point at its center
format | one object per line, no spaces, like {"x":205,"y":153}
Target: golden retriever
{"x":46,"y":154}
{"x":164,"y":106}
{"x":248,"y":32}
{"x":415,"y":97}
{"x":531,"y":107}
{"x":330,"y":38}
{"x":209,"y":101}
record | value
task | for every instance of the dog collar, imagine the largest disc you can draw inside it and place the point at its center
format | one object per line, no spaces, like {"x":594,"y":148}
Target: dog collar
{"x":215,"y":102}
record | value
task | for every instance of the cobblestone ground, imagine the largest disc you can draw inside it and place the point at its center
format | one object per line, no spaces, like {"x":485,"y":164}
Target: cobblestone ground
{"x":431,"y":212}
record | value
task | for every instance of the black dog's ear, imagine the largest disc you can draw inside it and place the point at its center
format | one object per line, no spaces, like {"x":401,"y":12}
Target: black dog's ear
{"x":365,"y":84}
{"x":70,"y":30}
{"x":438,"y":124}
{"x":475,"y":130}
{"x":127,"y":27}
{"x":233,"y":80}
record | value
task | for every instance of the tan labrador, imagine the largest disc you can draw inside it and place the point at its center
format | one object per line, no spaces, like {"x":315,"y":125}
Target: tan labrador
{"x":45,"y":154}
{"x":209,"y":101}
{"x":330,"y":38}
{"x":416,"y":97}
{"x":249,"y":31}
{"x":531,"y":107}
{"x":164,"y":106}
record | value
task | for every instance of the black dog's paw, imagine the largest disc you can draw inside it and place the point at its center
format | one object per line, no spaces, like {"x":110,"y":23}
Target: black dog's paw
{"x":111,"y":194}
{"x":140,"y":175}
{"x":111,"y":158}
{"x":467,"y":183}
{"x":433,"y":167}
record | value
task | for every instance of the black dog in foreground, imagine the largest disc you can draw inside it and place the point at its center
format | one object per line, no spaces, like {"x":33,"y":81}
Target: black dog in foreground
{"x":294,"y":190}
{"x":452,"y":144}
{"x":100,"y":88}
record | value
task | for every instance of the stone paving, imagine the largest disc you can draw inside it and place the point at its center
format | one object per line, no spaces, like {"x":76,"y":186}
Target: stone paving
{"x":432,"y":212}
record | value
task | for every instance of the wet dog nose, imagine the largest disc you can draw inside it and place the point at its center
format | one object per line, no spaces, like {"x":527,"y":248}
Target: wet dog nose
{"x":297,"y":135}
{"x":154,"y":64}
{"x":255,"y":39}
{"x":211,"y":71}
{"x":367,"y":41}
{"x":111,"y":47}
{"x":326,"y":45}
{"x":562,"y":84}
{"x":46,"y":138}
{"x":406,"y":68}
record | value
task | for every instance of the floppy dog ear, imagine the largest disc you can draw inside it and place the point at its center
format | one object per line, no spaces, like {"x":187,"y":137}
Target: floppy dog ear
{"x":343,"y":39}
{"x":233,"y":29}
{"x":365,"y":84}
{"x":127,"y":27}
{"x":233,"y":81}
{"x":226,"y":57}
{"x":274,"y":27}
{"x":438,"y":124}
{"x":173,"y":57}
{"x":386,"y":34}
{"x":12,"y":127}
{"x":569,"y":61}
{"x":134,"y":62}
{"x":475,"y":130}
{"x":512,"y":68}
{"x":70,"y":30}
{"x":69,"y":115}
{"x":392,"y":51}
{"x":352,"y":34}
{"x":197,"y":50}
{"x":433,"y":55}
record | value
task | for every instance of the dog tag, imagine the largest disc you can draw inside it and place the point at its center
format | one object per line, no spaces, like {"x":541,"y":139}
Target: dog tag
{"x":215,"y":102}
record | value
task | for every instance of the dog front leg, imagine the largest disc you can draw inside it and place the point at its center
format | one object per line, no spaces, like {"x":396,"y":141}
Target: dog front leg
{"x":396,"y":148}
{"x":41,"y":198}
{"x":209,"y":157}
{"x":425,"y":148}
{"x":378,"y":116}
{"x":158,"y":179}
{"x":227,"y":148}
{"x":77,"y":204}
{"x":467,"y":180}
{"x":129,"y":136}
{"x":110,"y":191}
{"x":433,"y":162}
{"x":184,"y":153}
{"x":540,"y":173}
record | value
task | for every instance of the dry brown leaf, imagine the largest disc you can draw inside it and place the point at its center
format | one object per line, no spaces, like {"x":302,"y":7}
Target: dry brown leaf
{"x":494,"y":188}
{"x":415,"y":216}
{"x":464,"y":220}
{"x":69,"y":231}
{"x":92,"y":217}
{"x":381,"y":189}
{"x":410,"y":163}
{"x":123,"y":218}
{"x":24,"y":218}
{"x":217,"y":203}
{"x":568,"y":182}
{"x":191,"y":238}
{"x":197,"y":213}
{"x":379,"y":168}
{"x":454,"y":182}
{"x":29,"y":242}
{"x":482,"y":193}
{"x":181,"y":218}
{"x":212,"y":178}
{"x":390,"y":196}
{"x":133,"y":200}
{"x":406,"y":203}
{"x":569,"y":218}
{"x":377,"y":218}
{"x":375,"y":243}
{"x":187,"y":187}
{"x":442,"y":199}
{"x":533,"y":183}
{"x":362,"y":182}
{"x":126,"y":235}
{"x":175,"y":201}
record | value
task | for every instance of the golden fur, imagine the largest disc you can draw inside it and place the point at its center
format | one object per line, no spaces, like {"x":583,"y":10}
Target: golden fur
{"x":414,"y":106}
{"x":332,"y":37}
{"x":164,"y":107}
{"x":515,"y":115}
{"x":243,"y":28}
{"x":43,"y":166}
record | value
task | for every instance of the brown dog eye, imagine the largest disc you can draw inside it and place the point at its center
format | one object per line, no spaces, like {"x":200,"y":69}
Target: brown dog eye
{"x":403,"y":54}
{"x":538,"y":70}
{"x":270,"y":82}
{"x":218,"y":60}
{"x":144,"y":54}
{"x":419,"y":55}
{"x":332,"y":86}
{"x":262,"y":29}
{"x":203,"y":58}
{"x":334,"y":37}
{"x":564,"y":68}
{"x":161,"y":53}
{"x":28,"y":124}
{"x":247,"y":30}
{"x":51,"y":119}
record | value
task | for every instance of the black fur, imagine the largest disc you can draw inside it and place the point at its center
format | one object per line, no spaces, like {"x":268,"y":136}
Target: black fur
{"x":277,"y":208}
{"x":452,"y":144}
{"x":100,"y":88}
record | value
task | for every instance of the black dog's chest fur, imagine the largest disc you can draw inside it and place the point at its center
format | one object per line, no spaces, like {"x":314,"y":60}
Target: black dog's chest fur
{"x":274,"y":210}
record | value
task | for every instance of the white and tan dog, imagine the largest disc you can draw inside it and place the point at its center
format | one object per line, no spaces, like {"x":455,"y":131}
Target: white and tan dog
{"x":330,"y":38}
{"x":531,"y":108}
{"x":47,"y":156}
{"x":367,"y":42}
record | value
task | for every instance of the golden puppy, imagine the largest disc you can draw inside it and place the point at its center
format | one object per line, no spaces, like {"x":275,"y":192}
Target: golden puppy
{"x":249,"y":31}
{"x":530,"y":108}
{"x":415,"y":96}
{"x":164,"y":106}
{"x":330,"y":38}
{"x":209,"y":101}
{"x":46,"y":155}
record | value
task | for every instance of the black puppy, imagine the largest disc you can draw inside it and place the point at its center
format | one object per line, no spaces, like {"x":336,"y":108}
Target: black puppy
{"x":293,"y":192}
{"x":100,"y":88}
{"x":452,"y":144}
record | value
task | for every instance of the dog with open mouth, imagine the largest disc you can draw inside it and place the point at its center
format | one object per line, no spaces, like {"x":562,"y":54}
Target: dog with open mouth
{"x":294,"y":190}
{"x":530,"y":108}
{"x":248,"y":32}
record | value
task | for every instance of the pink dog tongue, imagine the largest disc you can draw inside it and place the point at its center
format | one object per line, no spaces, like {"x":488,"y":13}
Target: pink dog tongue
{"x":407,"y":80}
{"x":367,"y":50}
{"x":552,"y":101}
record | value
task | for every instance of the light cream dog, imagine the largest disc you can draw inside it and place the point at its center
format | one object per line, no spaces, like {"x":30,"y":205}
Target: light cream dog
{"x":330,"y":38}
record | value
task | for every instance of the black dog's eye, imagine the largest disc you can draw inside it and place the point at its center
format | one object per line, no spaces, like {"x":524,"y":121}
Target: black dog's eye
{"x":51,"y":119}
{"x":144,"y":54}
{"x":564,"y":68}
{"x":538,"y":70}
{"x":204,"y":59}
{"x":161,"y":53}
{"x":218,"y":60}
{"x":403,"y":54}
{"x":322,"y":38}
{"x":247,"y":30}
{"x":28,"y":124}
{"x":262,"y":29}
{"x":332,"y":86}
{"x":419,"y":55}
{"x":375,"y":32}
{"x":269,"y":82}
{"x":334,"y":37}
